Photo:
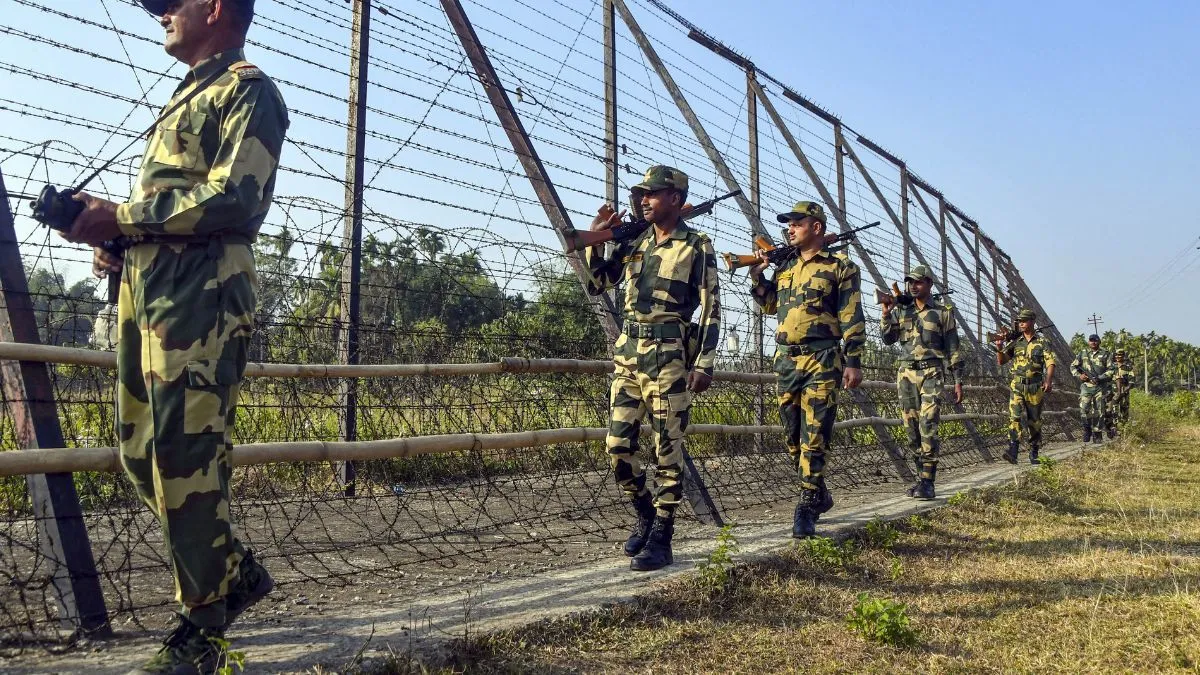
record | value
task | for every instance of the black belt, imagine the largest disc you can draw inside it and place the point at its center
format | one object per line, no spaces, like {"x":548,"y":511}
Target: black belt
{"x":923,"y":363}
{"x":655,"y":331}
{"x":222,"y":238}
{"x":806,"y":348}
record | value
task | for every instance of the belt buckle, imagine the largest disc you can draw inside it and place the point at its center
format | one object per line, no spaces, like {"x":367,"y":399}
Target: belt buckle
{"x":644,"y":331}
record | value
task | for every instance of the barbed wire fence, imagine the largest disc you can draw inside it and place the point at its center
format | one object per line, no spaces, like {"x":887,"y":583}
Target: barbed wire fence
{"x":459,"y":263}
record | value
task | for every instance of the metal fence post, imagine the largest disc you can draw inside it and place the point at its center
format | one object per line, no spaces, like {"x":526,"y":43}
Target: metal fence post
{"x":62,"y":534}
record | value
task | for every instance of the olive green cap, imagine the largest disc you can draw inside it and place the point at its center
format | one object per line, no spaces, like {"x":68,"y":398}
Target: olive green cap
{"x":659,"y":177}
{"x":920,"y":272}
{"x":1026,"y":315}
{"x":802,"y":209}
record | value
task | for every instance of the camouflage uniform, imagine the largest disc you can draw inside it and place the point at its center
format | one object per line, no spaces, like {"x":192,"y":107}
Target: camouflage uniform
{"x":929,"y":338}
{"x":185,"y":315}
{"x":1118,"y":406}
{"x":1098,"y":365}
{"x":1030,"y":358}
{"x":665,"y":286}
{"x":818,"y":304}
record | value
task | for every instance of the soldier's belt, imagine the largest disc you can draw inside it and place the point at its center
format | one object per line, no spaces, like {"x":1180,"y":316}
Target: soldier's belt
{"x":653,"y":331}
{"x":923,"y":363}
{"x":222,"y":238}
{"x":806,"y":348}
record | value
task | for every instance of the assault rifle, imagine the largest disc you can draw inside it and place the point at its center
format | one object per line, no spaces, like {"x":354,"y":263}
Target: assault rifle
{"x":898,"y":297}
{"x":631,"y":229}
{"x":1007,"y":335}
{"x":777,"y":255}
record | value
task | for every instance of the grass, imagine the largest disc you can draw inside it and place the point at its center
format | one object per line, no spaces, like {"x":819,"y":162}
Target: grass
{"x":1087,"y":565}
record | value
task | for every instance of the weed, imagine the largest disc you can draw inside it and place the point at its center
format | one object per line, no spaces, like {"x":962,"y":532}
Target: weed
{"x":880,"y":535}
{"x":227,"y":660}
{"x":882,"y":620}
{"x":958,"y":498}
{"x":716,"y":572}
{"x":896,"y":569}
{"x":825,"y":552}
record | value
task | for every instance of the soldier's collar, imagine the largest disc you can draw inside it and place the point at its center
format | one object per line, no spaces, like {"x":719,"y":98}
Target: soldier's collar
{"x":680,"y":231}
{"x":218,"y":61}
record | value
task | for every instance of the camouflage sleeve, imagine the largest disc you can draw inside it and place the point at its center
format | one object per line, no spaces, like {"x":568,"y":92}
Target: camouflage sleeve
{"x":765,"y":294}
{"x":952,"y":344}
{"x":710,"y":307}
{"x":1049,"y":355}
{"x":1076,"y":364}
{"x":850,"y":315}
{"x":240,"y":177}
{"x":604,"y":271}
{"x":889,"y":326}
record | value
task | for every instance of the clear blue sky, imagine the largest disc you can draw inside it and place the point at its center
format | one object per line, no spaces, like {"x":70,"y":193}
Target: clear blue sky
{"x":1068,"y":129}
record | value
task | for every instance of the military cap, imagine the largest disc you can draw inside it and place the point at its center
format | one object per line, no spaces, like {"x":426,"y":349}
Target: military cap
{"x":1026,"y":315}
{"x":919,"y":272}
{"x":802,"y":209}
{"x":659,"y":177}
{"x":1093,"y":337}
{"x":159,"y":7}
{"x":1121,"y":352}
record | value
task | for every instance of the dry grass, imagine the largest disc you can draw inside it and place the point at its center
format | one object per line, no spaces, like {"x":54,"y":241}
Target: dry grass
{"x":1088,"y":565}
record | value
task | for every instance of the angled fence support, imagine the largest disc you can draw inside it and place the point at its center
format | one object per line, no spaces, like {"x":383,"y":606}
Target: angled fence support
{"x":62,"y":535}
{"x":696,"y":490}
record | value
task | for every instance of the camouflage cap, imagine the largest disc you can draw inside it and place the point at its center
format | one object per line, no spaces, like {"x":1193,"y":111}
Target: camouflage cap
{"x":1122,"y":353}
{"x":159,"y":7}
{"x":802,"y":209}
{"x":920,"y":272}
{"x":659,"y":177}
{"x":1026,"y":315}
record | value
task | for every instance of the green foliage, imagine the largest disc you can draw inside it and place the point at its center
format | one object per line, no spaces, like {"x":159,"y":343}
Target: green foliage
{"x":880,"y":534}
{"x":228,"y":660}
{"x":1151,"y":417}
{"x":896,"y":569}
{"x":883,"y":621}
{"x":716,"y":571}
{"x":958,"y":498}
{"x":1171,"y":363}
{"x":826,"y":553}
{"x":64,"y":314}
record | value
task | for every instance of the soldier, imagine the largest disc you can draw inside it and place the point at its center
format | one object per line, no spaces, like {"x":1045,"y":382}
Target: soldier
{"x":929,"y":336}
{"x":821,"y":337}
{"x":1119,"y":403}
{"x":1032,"y":378}
{"x":661,"y":358}
{"x":1095,"y":369}
{"x":187,"y":301}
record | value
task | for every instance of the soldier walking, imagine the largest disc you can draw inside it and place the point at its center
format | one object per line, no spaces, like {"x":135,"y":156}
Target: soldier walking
{"x":821,"y":337}
{"x":1118,"y":408}
{"x":928,"y":335}
{"x":1032,"y":377}
{"x":186,"y":307}
{"x":661,"y":358}
{"x":1095,"y":369}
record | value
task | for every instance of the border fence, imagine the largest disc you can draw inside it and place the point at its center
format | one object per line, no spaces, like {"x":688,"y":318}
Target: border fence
{"x":428,"y":396}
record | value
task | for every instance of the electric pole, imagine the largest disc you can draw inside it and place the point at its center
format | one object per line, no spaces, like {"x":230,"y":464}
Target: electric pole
{"x":1096,"y":321}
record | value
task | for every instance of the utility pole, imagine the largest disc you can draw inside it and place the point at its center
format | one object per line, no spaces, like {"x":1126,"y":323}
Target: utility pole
{"x":1146,"y":365}
{"x":1095,"y":321}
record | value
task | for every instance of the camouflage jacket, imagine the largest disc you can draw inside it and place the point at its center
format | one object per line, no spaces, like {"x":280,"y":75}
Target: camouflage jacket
{"x":210,"y":165}
{"x":1123,"y":374}
{"x":929,"y":333}
{"x":1029,"y":359}
{"x":817,"y":300}
{"x":1098,"y":365}
{"x":665,"y":283}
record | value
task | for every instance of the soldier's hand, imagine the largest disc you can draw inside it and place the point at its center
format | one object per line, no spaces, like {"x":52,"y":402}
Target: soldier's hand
{"x":96,"y":224}
{"x":1047,"y":386}
{"x":105,"y":263}
{"x":606,"y":218}
{"x":757,"y":270}
{"x":958,"y":393}
{"x":698,"y":382}
{"x":1084,"y":378}
{"x":851,"y":378}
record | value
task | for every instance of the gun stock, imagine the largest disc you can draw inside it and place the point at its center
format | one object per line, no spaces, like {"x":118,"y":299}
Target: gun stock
{"x":736,"y":261}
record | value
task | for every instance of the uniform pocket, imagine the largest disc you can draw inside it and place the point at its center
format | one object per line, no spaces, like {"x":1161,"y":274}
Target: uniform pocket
{"x":177,"y":141}
{"x":209,"y":389}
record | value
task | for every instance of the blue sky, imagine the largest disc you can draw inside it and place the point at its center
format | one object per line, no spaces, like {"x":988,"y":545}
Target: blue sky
{"x":1068,"y":130}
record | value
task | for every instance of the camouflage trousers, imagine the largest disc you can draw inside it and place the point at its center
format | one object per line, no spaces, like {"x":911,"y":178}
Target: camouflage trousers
{"x":1092,"y":405}
{"x":650,"y":376}
{"x":1118,"y":407}
{"x":185,"y":315}
{"x":921,"y":410}
{"x":807,"y":388}
{"x":1025,"y":412}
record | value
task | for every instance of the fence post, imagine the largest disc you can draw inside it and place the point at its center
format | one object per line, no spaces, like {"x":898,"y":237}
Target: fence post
{"x":351,"y":284}
{"x":757,"y":330}
{"x":62,"y":534}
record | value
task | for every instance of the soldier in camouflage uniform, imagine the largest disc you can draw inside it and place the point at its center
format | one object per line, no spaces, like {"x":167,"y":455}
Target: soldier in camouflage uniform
{"x":1032,"y":377}
{"x":821,"y":337}
{"x":665,"y":353}
{"x":1118,"y":407}
{"x":1095,"y":369}
{"x":187,"y":302}
{"x":927,"y":332}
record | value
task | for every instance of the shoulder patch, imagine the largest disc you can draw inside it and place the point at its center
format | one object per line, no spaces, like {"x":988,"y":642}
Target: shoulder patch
{"x":246,"y":71}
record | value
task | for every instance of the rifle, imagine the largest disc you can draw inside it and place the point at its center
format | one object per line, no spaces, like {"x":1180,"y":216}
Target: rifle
{"x":1007,"y":335}
{"x":630,"y":229}
{"x":898,"y":297}
{"x":777,"y":255}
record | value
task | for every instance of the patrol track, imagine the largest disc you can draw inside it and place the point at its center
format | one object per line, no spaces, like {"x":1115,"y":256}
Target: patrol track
{"x":461,"y":268}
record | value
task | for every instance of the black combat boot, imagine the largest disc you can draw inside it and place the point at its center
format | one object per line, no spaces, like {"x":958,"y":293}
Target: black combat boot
{"x":253,"y":584}
{"x":656,"y":554}
{"x":188,"y":650}
{"x":1010,"y":455}
{"x":923,"y":489}
{"x":645,"y":517}
{"x":1033,"y":455}
{"x":1087,"y":432}
{"x":811,"y":505}
{"x":1097,"y":437}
